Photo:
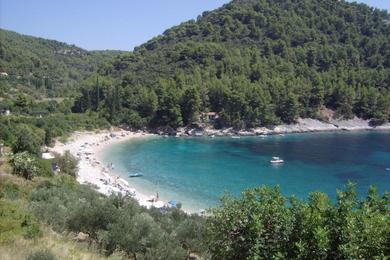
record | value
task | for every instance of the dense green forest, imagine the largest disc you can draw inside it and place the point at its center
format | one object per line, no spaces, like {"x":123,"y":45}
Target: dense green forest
{"x":255,"y":62}
{"x":46,"y":67}
{"x":43,"y":77}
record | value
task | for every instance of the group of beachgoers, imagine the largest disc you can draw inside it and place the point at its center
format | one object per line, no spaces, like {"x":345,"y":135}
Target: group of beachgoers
{"x":93,"y":172}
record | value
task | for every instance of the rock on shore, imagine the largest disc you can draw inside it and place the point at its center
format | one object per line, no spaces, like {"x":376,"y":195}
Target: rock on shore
{"x":302,"y":125}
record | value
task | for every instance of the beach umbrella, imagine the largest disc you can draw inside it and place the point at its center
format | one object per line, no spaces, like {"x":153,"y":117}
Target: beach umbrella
{"x":172,"y":203}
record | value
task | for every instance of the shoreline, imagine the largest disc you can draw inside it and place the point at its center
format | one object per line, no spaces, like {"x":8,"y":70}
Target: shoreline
{"x":87,"y":147}
{"x":306,"y":125}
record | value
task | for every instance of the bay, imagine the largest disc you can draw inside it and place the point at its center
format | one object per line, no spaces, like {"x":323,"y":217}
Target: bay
{"x":197,"y":171}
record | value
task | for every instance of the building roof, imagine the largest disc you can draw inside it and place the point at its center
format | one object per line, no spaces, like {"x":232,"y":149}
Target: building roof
{"x":210,"y":113}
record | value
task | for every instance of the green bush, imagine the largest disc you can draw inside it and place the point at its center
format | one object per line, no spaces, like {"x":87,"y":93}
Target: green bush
{"x":6,"y":134}
{"x":91,"y":216}
{"x":16,"y":222}
{"x":29,"y":166}
{"x":115,"y":222}
{"x":48,"y":137}
{"x":44,"y":167}
{"x":41,"y":255}
{"x":67,"y":163}
{"x":27,"y":141}
{"x":9,"y":191}
{"x":263,"y":224}
{"x":25,"y":165}
{"x":30,"y":227}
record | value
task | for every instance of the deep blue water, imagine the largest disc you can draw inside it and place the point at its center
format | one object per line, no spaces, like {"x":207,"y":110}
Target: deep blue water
{"x":197,"y":171}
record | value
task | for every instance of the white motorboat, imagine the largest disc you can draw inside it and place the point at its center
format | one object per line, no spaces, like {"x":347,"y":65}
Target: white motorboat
{"x":276,"y":160}
{"x":133,"y":175}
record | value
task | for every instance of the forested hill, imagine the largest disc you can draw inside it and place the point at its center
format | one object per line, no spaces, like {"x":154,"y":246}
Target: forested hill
{"x":255,"y":62}
{"x":50,"y":67}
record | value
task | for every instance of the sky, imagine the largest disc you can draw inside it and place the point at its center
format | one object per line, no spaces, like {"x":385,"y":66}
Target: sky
{"x":106,"y":24}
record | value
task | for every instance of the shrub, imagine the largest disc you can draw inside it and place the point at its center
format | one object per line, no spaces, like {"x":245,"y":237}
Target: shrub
{"x":191,"y":233}
{"x":48,"y":137}
{"x":30,"y":227}
{"x":6,"y":134}
{"x":16,"y":222}
{"x":89,"y":216}
{"x":44,"y":167}
{"x":26,"y":141}
{"x":67,"y":163}
{"x":25,"y":165}
{"x":9,"y":190}
{"x":41,"y":255}
{"x":135,"y":120}
{"x":263,"y":224}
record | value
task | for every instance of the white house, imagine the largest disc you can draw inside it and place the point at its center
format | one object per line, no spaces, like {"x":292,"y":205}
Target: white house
{"x":209,"y":116}
{"x":47,"y":156}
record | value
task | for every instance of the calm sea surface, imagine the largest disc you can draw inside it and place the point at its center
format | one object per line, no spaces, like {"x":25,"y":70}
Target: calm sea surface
{"x":197,"y":171}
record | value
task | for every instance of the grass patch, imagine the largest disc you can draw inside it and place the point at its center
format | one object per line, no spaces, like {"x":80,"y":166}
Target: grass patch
{"x":61,"y":246}
{"x":13,"y":187}
{"x":16,"y":222}
{"x":21,"y":234}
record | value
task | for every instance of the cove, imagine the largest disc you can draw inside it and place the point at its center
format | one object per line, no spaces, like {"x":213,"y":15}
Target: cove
{"x":197,"y":171}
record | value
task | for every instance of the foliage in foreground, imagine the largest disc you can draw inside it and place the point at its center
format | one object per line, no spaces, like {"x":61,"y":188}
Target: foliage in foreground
{"x":263,"y":224}
{"x":117,"y":223}
{"x":28,"y":166}
{"x":67,"y":163}
{"x":16,"y":221}
{"x":41,"y":255}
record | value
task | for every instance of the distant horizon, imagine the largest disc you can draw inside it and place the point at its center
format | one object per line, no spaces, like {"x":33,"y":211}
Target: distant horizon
{"x":95,"y":26}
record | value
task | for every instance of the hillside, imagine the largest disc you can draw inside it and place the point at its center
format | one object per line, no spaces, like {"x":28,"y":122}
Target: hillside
{"x":51,"y":67}
{"x":255,"y":62}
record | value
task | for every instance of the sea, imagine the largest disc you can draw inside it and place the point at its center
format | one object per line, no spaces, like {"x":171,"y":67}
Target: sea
{"x":197,"y":171}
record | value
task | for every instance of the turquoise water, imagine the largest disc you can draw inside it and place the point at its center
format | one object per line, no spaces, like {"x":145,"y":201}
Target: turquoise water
{"x":197,"y":171}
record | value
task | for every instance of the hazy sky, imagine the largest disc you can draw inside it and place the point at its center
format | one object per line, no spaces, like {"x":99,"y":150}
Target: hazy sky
{"x":105,"y":24}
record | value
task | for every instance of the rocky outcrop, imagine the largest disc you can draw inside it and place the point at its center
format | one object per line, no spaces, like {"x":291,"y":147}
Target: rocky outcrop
{"x":301,"y":126}
{"x":165,"y":130}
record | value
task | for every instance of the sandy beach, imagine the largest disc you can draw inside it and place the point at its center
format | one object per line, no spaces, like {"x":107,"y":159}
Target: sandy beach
{"x":86,"y":147}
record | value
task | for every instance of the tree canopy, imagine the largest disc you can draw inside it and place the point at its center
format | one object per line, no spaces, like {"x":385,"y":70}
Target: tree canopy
{"x":257,"y":62}
{"x":48,"y":67}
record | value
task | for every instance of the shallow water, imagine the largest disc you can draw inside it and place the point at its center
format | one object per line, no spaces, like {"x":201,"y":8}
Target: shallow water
{"x":197,"y":171}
